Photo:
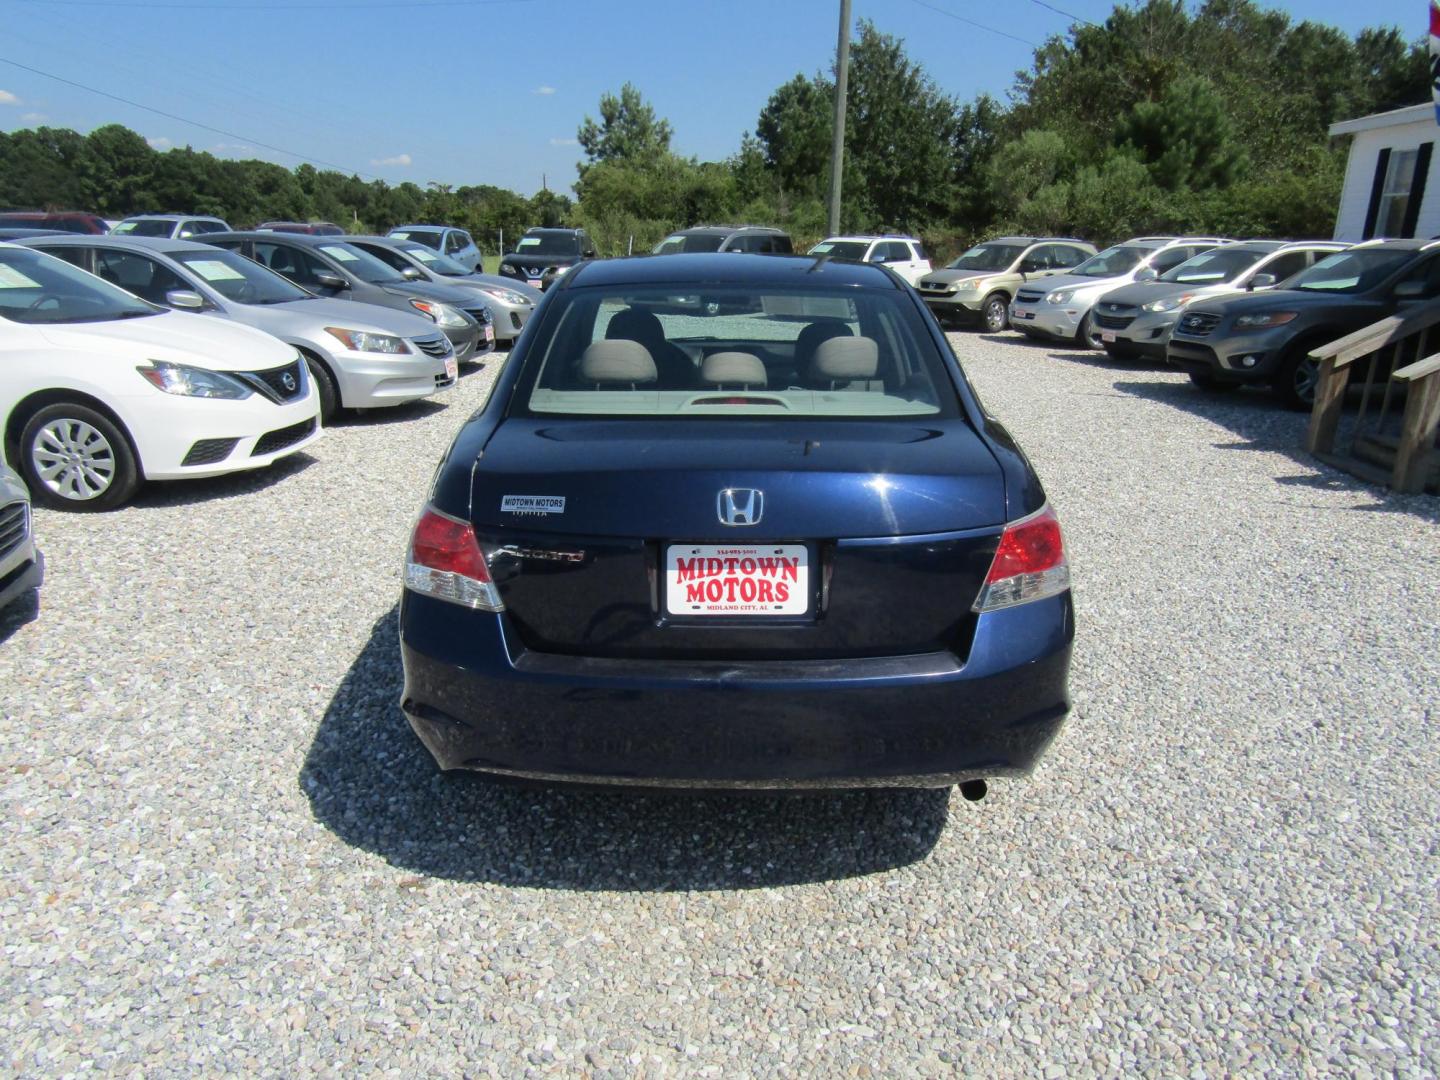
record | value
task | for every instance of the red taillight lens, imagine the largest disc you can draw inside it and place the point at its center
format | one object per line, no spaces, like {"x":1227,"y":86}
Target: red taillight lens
{"x":1029,"y":563}
{"x":446,"y":562}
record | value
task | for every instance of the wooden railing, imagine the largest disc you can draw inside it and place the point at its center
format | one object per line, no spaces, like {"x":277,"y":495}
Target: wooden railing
{"x":1388,"y":446}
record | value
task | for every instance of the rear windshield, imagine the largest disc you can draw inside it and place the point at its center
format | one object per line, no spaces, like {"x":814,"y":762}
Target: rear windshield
{"x":987,"y":257}
{"x":1213,"y":267}
{"x":144,"y":227}
{"x":1350,"y":271}
{"x":238,"y":278}
{"x":548,"y":244}
{"x":429,"y":237}
{"x":688,"y":243}
{"x":1112,"y":262}
{"x":727,"y":351}
{"x":842,"y":249}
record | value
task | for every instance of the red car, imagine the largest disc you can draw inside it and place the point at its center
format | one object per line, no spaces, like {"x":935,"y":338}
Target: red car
{"x":71,"y":221}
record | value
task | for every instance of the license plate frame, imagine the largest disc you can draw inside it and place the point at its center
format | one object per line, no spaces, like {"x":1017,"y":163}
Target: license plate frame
{"x":1017,"y":313}
{"x":725,"y":584}
{"x":1107,"y":336}
{"x":452,"y":368}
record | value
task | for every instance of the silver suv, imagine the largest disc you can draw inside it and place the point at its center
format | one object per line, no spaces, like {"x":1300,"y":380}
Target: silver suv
{"x":175,"y":226}
{"x":1060,"y":307}
{"x":1135,"y":321}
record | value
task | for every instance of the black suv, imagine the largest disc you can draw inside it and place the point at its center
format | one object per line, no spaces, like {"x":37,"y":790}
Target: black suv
{"x":542,"y":255}
{"x":1266,"y":337}
{"x":756,"y":239}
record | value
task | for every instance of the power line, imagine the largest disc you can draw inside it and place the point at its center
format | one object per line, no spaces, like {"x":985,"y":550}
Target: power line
{"x":1058,"y":11}
{"x":977,"y":25}
{"x":182,"y":119}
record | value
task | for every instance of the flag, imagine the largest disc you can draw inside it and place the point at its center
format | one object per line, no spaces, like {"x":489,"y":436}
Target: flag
{"x":1435,"y":56}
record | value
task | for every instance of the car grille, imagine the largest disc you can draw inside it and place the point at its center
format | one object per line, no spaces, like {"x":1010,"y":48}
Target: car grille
{"x":479,"y":314}
{"x":272,"y":441}
{"x":1025,"y":296}
{"x":1198,"y":323}
{"x":1113,"y":322}
{"x":14,"y":527}
{"x":209,"y":451}
{"x":279,"y":384}
{"x":437,"y":346}
{"x":443,"y":381}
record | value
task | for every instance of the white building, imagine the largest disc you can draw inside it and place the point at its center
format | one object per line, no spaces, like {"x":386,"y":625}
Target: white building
{"x":1390,"y":190}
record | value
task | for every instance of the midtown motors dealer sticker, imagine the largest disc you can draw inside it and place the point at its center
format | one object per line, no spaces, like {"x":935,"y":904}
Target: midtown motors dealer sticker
{"x":759,"y":579}
{"x":532,"y":504}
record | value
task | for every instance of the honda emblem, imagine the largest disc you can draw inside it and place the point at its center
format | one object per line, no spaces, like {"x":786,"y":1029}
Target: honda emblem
{"x":740,"y":506}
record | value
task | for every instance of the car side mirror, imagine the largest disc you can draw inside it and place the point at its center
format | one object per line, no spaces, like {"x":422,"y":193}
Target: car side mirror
{"x":1409,"y":290}
{"x":1262,"y":281}
{"x":185,"y":299}
{"x":412,"y":273}
{"x":1147,"y":274}
{"x":588,"y":253}
{"x":328,"y":279}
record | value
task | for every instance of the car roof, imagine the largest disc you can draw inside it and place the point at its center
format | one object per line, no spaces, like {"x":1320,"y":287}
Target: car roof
{"x":728,"y":268}
{"x":1394,"y":245}
{"x":162,"y":244}
{"x":870,"y":236}
{"x":265,"y":234}
{"x":421,"y":225}
{"x":171,"y":217}
{"x":552,"y":229}
{"x":710,"y":230}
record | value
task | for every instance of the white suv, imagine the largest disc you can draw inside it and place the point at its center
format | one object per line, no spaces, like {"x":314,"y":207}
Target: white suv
{"x":903,"y":254}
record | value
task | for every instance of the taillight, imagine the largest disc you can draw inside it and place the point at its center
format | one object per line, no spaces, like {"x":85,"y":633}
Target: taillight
{"x":446,"y":562}
{"x":1029,"y":564}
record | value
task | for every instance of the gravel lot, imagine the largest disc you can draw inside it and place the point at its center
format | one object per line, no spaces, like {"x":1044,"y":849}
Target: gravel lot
{"x":225,"y":853}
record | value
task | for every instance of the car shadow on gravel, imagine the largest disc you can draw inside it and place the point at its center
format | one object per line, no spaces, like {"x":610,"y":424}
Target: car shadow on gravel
{"x":370,"y":782}
{"x":1261,"y":423}
{"x":391,"y":414}
{"x":209,"y":488}
{"x":20,"y":612}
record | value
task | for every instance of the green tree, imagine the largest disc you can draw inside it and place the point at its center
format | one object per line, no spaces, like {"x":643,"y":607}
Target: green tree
{"x":1186,"y":137}
{"x":627,"y":130}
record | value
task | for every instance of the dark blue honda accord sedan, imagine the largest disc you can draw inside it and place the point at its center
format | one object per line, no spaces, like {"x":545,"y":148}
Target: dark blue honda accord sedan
{"x":736,"y":521}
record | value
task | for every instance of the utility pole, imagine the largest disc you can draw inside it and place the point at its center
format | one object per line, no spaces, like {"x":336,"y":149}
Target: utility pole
{"x":837,"y":149}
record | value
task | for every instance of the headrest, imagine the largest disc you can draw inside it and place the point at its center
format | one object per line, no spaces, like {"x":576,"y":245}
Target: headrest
{"x":733,"y":367}
{"x":842,"y":358}
{"x":635,"y":324}
{"x":619,"y":361}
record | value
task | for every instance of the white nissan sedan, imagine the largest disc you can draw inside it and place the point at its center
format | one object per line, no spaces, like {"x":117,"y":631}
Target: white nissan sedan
{"x":100,"y":391}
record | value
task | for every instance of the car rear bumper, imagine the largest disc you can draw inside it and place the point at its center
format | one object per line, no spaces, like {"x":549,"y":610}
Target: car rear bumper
{"x":479,"y":700}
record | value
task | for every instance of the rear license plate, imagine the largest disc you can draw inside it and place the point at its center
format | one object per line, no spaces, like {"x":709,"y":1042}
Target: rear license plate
{"x":737,"y":579}
{"x":1107,"y":337}
{"x":452,"y":367}
{"x":1018,"y":314}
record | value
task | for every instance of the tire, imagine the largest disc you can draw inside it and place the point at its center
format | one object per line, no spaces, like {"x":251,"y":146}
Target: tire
{"x":75,"y":458}
{"x":995,"y":314}
{"x":1087,"y":336}
{"x":1206,"y":381}
{"x":324,"y":386}
{"x":1295,"y":380}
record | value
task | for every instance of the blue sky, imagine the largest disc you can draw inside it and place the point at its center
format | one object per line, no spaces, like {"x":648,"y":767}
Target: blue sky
{"x":460,"y":91}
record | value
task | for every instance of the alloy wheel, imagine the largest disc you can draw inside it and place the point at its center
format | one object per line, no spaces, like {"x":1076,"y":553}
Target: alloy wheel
{"x":1304,"y":380}
{"x":73,"y":459}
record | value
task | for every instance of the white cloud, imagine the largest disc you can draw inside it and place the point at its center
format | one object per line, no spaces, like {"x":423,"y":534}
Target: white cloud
{"x":159,"y":142}
{"x":33,"y":118}
{"x":7,"y":98}
{"x":564,"y":142}
{"x":403,"y":160}
{"x":231,"y":148}
{"x":543,"y":91}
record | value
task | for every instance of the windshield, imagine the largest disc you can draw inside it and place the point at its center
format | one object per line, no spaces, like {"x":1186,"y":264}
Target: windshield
{"x":362,"y":264}
{"x":1213,"y":267}
{"x":723,"y":351}
{"x":428,"y":237}
{"x":1112,"y":262}
{"x":548,"y":244}
{"x":238,"y":278}
{"x":434,"y":261}
{"x":842,"y":249}
{"x":144,"y":227}
{"x":1350,"y":271}
{"x":38,"y":288}
{"x":987,"y":257}
{"x":689,"y":243}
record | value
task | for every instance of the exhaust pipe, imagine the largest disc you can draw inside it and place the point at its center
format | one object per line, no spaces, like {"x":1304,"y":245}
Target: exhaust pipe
{"x":974,"y":790}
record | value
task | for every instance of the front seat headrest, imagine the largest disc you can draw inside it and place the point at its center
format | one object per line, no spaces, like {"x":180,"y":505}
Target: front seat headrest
{"x":841,"y":359}
{"x":618,"y":361}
